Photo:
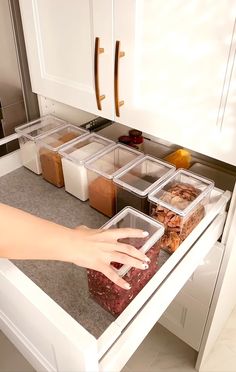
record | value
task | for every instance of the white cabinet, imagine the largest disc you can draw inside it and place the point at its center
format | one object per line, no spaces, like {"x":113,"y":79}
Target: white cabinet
{"x":163,"y":67}
{"x":60,"y":41}
{"x":172,"y":78}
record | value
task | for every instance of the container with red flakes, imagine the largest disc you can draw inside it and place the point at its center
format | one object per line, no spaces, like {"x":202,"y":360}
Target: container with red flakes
{"x":109,"y":295}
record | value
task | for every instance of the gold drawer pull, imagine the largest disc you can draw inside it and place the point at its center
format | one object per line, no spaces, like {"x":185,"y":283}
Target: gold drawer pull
{"x":118,"y":55}
{"x":97,"y":51}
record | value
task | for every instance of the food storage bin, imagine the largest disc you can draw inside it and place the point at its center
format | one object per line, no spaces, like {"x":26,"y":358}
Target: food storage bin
{"x":28,"y":136}
{"x":73,"y":157}
{"x":136,"y":181}
{"x":101,"y":171}
{"x":179,"y":203}
{"x":49,"y":146}
{"x":109,"y":295}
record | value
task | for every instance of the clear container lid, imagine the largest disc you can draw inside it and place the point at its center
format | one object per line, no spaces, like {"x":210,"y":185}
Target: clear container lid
{"x":143,"y":175}
{"x":132,"y":218}
{"x":83,"y":149}
{"x":58,"y":137}
{"x":36,"y":128}
{"x":112,"y":160}
{"x":188,"y":187}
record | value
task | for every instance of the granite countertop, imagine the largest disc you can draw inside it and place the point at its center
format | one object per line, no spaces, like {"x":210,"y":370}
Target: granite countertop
{"x":65,"y":283}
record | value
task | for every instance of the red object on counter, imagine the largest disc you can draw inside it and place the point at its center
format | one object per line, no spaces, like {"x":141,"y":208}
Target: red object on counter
{"x":125,"y":139}
{"x":137,"y":138}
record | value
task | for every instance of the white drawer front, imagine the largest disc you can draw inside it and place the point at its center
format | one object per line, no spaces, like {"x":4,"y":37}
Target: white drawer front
{"x":202,"y":282}
{"x":186,"y":318}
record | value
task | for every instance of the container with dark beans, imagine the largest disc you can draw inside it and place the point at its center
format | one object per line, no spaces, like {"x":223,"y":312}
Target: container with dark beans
{"x":109,"y":295}
{"x":179,"y":203}
{"x":135,"y":182}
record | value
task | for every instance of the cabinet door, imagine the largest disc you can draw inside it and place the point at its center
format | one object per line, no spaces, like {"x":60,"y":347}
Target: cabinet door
{"x":187,"y":314}
{"x":171,"y":77}
{"x":60,"y":42}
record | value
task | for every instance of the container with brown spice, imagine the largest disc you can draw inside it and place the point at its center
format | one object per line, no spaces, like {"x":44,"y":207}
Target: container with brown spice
{"x":179,"y":203}
{"x":136,"y":181}
{"x":50,"y":159}
{"x":29,"y":134}
{"x":101,"y":171}
{"x":109,"y":295}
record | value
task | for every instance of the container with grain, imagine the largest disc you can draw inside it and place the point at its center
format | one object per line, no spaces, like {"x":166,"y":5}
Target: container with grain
{"x":30,"y":134}
{"x":73,"y":159}
{"x":109,"y":295}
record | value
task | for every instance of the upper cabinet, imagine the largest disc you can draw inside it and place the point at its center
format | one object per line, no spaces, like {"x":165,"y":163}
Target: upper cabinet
{"x":162,"y":67}
{"x":60,"y":41}
{"x":172,"y":77}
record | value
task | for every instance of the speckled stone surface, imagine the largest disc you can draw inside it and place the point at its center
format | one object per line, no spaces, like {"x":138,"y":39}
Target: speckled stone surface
{"x":65,"y":283}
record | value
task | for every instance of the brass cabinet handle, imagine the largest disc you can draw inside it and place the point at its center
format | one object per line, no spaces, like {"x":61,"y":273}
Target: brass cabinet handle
{"x":118,"y":55}
{"x":97,"y":51}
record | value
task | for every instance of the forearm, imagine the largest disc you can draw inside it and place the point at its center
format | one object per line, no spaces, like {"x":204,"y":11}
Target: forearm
{"x":24,"y":236}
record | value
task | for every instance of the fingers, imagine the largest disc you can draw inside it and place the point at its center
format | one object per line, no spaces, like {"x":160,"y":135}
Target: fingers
{"x":114,"y":277}
{"x":115,"y":234}
{"x":129,"y":250}
{"x":128,"y":260}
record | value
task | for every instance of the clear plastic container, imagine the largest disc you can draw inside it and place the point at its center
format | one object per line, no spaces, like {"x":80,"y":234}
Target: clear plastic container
{"x":179,"y":203}
{"x":49,"y":146}
{"x":109,"y":295}
{"x":136,"y":181}
{"x":29,"y":135}
{"x":101,"y":171}
{"x":73,"y":158}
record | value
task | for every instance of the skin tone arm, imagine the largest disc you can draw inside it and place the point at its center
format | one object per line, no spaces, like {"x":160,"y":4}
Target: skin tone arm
{"x":24,"y":236}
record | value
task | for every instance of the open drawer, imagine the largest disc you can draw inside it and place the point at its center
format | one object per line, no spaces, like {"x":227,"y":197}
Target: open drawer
{"x":51,"y":338}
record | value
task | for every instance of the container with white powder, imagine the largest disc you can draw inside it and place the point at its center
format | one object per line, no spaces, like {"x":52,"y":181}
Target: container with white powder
{"x":73,"y":158}
{"x":29,"y":134}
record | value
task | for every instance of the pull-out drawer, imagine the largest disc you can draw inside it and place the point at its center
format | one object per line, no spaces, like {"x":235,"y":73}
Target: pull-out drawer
{"x":35,"y":317}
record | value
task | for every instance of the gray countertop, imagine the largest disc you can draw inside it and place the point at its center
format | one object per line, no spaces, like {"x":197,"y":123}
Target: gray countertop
{"x":65,"y":283}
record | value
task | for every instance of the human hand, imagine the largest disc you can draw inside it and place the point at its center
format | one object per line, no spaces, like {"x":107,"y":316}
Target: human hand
{"x":98,"y":248}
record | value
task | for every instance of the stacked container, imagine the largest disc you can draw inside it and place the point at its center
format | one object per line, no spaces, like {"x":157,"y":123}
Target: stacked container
{"x":49,"y":146}
{"x":29,"y":134}
{"x":136,"y":181}
{"x":109,"y":295}
{"x":73,"y":159}
{"x":101,"y":171}
{"x":179,"y":203}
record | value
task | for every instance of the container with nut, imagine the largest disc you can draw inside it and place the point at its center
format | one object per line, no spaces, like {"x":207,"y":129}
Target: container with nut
{"x":29,"y":134}
{"x":49,"y":146}
{"x":136,"y":181}
{"x":101,"y":171}
{"x":73,"y":159}
{"x":179,"y":203}
{"x":109,"y":295}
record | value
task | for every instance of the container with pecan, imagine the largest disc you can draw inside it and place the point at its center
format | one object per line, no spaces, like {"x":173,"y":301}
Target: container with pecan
{"x":179,"y":203}
{"x":109,"y":295}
